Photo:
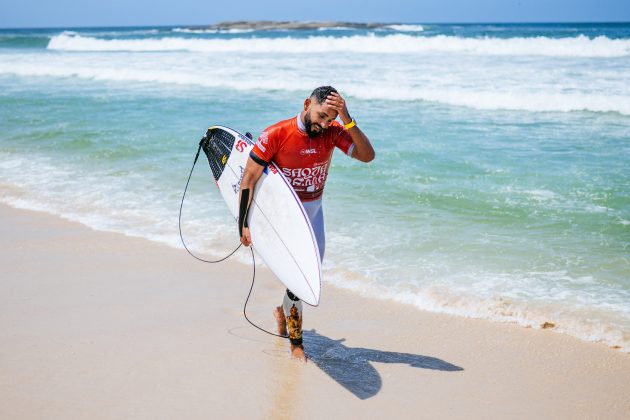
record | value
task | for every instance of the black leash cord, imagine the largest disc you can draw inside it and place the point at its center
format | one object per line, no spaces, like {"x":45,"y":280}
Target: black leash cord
{"x":180,"y":217}
{"x":224,"y":258}
{"x":249,"y":294}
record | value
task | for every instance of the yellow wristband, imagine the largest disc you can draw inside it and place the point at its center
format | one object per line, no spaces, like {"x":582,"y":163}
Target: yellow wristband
{"x":350,"y":125}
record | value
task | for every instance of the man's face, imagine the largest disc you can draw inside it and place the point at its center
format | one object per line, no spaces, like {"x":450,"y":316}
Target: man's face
{"x":318,"y":117}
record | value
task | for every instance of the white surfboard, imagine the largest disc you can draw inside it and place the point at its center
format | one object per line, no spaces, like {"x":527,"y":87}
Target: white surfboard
{"x":280,"y":229}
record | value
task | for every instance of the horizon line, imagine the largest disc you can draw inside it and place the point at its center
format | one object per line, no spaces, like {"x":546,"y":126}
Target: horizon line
{"x":318,"y":21}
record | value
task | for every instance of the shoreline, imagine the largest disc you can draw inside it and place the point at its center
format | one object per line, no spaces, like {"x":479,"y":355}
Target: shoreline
{"x":536,"y":320}
{"x":102,"y":325}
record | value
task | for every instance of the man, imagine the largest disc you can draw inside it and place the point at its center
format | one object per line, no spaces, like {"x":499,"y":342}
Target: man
{"x":302,"y":147}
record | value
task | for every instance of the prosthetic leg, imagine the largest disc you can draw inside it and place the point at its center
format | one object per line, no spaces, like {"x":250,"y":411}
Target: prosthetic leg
{"x":292,"y":308}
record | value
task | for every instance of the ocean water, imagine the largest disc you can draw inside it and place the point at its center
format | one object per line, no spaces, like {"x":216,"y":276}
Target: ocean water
{"x":501,"y":187}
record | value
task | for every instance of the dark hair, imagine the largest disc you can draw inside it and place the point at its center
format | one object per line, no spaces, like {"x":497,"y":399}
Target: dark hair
{"x":321,"y":93}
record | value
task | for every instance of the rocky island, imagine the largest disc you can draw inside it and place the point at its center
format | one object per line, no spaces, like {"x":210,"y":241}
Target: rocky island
{"x":262,"y":25}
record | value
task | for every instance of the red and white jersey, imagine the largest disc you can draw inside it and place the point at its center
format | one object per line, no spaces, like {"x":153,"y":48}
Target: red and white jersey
{"x":303,"y":160}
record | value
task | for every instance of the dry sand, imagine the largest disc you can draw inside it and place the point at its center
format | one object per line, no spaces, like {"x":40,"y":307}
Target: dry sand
{"x":97,"y":325}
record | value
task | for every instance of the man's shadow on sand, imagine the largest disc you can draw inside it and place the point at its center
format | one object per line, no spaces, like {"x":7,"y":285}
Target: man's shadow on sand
{"x":351,"y":367}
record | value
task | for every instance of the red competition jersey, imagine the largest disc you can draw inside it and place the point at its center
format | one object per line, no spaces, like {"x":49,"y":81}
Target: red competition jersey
{"x":303,"y":160}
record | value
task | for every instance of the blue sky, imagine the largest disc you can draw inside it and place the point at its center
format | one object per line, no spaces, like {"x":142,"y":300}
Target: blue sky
{"x":64,"y":13}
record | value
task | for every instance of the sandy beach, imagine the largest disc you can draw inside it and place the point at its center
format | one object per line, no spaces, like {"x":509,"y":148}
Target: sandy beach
{"x":99,"y":325}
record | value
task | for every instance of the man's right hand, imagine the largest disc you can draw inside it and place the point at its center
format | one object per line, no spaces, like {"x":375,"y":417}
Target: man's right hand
{"x":246,"y":239}
{"x":253,"y":172}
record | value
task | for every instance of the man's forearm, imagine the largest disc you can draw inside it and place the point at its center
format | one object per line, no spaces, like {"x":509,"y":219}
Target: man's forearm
{"x":363,"y":149}
{"x":251,"y":174}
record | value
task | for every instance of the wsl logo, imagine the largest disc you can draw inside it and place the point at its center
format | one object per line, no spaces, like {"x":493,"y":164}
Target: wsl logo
{"x":306,"y":152}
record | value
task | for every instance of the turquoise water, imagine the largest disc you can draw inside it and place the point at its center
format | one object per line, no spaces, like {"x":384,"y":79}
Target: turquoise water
{"x":501,"y":187}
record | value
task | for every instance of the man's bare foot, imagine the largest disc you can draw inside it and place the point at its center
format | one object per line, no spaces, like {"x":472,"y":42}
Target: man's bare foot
{"x":282,"y":322}
{"x":297,"y":353}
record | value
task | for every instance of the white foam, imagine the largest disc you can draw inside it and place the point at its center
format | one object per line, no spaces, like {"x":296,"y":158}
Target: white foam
{"x":111,"y":203}
{"x":523,"y":100}
{"x":237,"y":31}
{"x":421,"y":72}
{"x":222,"y":75}
{"x":586,"y":320}
{"x":195,"y":31}
{"x":580,"y":46}
{"x":406,"y":28}
{"x":542,"y":195}
{"x":122,"y":32}
{"x":335,"y":28}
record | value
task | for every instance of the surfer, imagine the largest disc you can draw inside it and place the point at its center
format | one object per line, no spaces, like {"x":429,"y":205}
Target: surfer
{"x":302,"y":147}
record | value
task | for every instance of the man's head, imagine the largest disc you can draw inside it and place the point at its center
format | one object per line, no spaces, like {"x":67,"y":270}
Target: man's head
{"x":318,"y":116}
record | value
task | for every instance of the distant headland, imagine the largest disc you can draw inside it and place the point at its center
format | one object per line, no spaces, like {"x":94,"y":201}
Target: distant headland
{"x":261,"y":25}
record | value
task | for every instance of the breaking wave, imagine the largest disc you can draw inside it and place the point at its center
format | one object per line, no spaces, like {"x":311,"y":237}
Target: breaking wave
{"x":580,"y":46}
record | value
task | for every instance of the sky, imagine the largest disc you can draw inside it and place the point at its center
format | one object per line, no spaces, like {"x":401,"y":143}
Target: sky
{"x":76,"y":13}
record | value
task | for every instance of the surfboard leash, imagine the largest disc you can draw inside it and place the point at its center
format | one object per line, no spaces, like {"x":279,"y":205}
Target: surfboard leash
{"x":180,"y":216}
{"x":181,"y":236}
{"x":249,"y":294}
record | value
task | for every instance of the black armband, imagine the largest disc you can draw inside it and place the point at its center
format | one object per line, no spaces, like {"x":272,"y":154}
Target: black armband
{"x":243,"y":211}
{"x":258,"y":160}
